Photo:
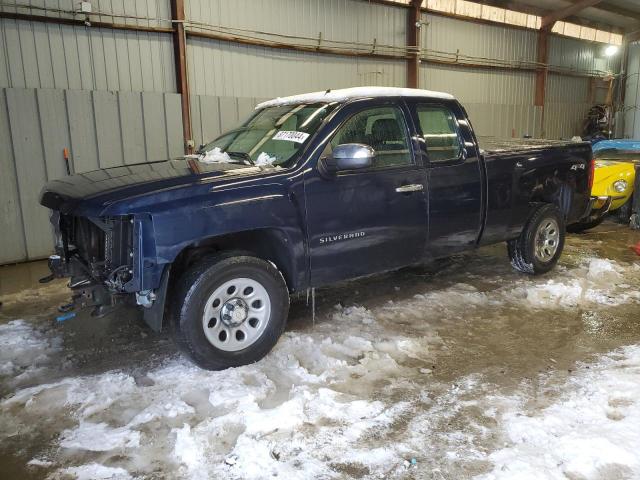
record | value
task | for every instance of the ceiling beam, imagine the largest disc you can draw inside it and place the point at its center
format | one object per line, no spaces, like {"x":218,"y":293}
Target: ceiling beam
{"x":632,"y":37}
{"x":533,"y":10}
{"x":629,"y":14}
{"x":562,"y":13}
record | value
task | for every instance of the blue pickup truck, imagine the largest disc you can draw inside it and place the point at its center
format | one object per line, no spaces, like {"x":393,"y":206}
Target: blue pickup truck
{"x":310,"y":190}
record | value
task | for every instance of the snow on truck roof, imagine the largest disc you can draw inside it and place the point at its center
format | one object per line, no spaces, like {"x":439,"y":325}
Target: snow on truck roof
{"x":344,"y":94}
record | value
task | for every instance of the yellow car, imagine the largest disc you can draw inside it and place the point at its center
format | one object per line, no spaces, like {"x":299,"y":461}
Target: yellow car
{"x":613,"y":181}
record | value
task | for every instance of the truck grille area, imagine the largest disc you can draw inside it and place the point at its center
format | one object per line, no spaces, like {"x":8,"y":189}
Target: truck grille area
{"x":103,"y":244}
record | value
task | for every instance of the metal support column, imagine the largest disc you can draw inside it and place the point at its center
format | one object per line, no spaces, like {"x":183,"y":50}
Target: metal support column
{"x":413,"y":44}
{"x":180,"y":58}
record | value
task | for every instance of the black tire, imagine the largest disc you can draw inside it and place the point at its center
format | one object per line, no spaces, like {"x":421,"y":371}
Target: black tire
{"x":581,"y":227}
{"x":522,"y":249}
{"x":195,"y":287}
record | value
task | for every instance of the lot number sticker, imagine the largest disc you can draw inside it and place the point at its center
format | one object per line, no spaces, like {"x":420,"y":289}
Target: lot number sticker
{"x":291,"y":136}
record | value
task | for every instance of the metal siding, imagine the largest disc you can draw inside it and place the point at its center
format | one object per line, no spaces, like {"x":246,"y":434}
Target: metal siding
{"x":489,"y":41}
{"x":155,"y":131}
{"x":30,"y":169}
{"x":341,"y":20}
{"x":103,"y":10}
{"x":105,"y":106}
{"x":82,"y":128}
{"x":499,"y":103}
{"x":55,"y":130}
{"x":581,"y":55}
{"x":173,"y":119}
{"x":209,"y":118}
{"x":231,"y":70}
{"x":38,"y":55}
{"x":632,"y":94}
{"x":12,"y":245}
{"x":567,"y":103}
{"x":101,"y":129}
{"x":132,"y":127}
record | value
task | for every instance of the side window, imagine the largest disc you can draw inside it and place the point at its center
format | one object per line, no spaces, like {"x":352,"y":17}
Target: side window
{"x":382,"y":128}
{"x":440,"y":132}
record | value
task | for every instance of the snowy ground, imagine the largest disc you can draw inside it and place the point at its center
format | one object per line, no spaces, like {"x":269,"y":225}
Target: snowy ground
{"x":474,"y":371}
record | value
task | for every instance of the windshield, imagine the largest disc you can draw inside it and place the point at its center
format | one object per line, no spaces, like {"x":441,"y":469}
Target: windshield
{"x":273,"y":136}
{"x":617,"y":154}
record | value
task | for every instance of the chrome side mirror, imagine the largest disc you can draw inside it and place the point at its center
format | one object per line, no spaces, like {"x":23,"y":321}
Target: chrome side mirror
{"x":348,"y":156}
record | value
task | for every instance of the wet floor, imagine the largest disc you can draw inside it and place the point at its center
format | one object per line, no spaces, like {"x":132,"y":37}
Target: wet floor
{"x":420,"y":373}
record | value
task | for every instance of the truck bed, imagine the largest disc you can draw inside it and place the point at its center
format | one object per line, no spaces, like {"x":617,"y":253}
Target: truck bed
{"x":492,"y":145}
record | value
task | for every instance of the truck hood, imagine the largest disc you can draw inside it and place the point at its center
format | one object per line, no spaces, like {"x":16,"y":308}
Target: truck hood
{"x":97,"y":189}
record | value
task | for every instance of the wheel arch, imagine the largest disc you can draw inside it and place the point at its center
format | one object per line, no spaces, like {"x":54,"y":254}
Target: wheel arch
{"x":271,"y":244}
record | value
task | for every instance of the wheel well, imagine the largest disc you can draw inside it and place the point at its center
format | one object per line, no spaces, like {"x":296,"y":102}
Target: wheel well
{"x":268,"y":244}
{"x":560,"y":195}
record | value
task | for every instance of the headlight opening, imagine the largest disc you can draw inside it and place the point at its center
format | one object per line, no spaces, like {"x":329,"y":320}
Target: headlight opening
{"x":620,"y":185}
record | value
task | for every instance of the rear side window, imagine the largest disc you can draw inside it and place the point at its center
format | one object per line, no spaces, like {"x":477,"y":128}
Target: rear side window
{"x":440,"y":132}
{"x":382,"y":128}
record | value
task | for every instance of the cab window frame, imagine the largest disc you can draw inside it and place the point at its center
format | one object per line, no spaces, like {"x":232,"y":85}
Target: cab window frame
{"x":407,"y":121}
{"x":415,"y":107}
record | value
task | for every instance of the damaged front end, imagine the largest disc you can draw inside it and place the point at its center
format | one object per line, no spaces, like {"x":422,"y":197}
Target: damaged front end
{"x":97,"y":254}
{"x":106,"y":264}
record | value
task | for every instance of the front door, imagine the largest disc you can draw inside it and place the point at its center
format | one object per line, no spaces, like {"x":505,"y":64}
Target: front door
{"x":370,"y":220}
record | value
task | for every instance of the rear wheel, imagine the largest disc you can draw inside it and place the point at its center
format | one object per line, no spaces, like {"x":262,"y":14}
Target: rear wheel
{"x":540,"y":244}
{"x":229,"y":311}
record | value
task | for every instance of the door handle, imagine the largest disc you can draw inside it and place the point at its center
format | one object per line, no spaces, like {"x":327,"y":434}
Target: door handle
{"x":415,"y":187}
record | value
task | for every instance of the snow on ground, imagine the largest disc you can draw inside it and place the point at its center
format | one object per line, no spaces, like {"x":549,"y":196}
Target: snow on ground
{"x":353,"y":397}
{"x":24,"y":350}
{"x":591,"y":432}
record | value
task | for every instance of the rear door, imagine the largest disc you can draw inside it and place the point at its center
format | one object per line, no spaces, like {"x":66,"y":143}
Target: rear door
{"x":366,"y":221}
{"x":454,"y":176}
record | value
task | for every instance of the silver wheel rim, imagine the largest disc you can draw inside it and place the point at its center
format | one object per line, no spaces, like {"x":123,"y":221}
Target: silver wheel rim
{"x":236,"y":314}
{"x":547,"y":240}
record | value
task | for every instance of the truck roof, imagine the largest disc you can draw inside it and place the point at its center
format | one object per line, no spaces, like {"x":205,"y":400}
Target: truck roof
{"x":344,"y":94}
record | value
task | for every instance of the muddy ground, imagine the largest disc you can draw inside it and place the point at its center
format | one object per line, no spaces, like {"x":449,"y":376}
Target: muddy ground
{"x":456,"y":370}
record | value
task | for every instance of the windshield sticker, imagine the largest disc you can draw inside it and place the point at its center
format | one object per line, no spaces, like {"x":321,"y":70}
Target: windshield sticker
{"x":291,"y":136}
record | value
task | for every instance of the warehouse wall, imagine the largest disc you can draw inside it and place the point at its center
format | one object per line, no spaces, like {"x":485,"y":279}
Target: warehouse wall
{"x":100,"y":129}
{"x":40,"y":55}
{"x":109,"y":96}
{"x":501,"y":102}
{"x":228,"y":69}
{"x":632,"y":94}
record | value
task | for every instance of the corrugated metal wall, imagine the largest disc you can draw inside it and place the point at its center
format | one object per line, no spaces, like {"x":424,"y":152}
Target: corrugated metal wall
{"x":340,"y":20}
{"x":632,"y":94}
{"x":100,"y":129}
{"x":40,"y":55}
{"x":229,"y":69}
{"x":109,"y":95}
{"x":501,"y":103}
{"x":114,"y":11}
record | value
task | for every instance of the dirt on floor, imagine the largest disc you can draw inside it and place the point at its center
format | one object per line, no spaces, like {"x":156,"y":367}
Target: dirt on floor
{"x":460,"y":369}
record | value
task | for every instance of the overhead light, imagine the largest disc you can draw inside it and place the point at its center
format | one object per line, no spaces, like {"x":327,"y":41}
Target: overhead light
{"x":611,"y":50}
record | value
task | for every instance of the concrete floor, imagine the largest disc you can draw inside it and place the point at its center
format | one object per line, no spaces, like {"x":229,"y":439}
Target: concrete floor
{"x":427,"y":372}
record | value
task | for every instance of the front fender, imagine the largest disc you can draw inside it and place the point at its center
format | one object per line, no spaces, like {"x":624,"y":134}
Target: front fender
{"x":234,"y":211}
{"x":606,"y":175}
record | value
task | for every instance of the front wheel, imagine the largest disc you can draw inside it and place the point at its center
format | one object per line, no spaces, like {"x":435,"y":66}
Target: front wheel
{"x":229,"y":311}
{"x":540,"y":244}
